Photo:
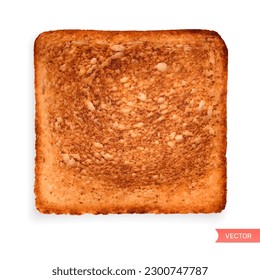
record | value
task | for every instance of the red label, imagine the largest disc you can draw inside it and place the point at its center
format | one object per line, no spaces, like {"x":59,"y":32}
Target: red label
{"x":238,"y":235}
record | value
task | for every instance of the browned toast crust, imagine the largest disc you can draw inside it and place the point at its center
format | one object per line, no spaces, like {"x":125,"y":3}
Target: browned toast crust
{"x":130,"y":121}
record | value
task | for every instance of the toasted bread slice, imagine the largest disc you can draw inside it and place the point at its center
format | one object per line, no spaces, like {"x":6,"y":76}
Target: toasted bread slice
{"x":130,"y":122}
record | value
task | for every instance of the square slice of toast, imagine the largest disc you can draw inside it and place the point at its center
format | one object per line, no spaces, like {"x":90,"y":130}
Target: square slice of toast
{"x":130,"y":121}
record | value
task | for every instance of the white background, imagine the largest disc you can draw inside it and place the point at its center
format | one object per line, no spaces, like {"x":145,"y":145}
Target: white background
{"x":32,"y":243}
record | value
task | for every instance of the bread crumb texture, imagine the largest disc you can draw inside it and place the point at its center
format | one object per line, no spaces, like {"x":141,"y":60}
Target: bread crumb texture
{"x":130,"y":122}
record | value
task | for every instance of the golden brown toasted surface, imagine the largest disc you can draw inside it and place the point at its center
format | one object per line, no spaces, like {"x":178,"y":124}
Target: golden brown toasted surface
{"x":130,"y":122}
